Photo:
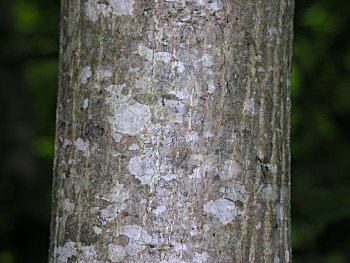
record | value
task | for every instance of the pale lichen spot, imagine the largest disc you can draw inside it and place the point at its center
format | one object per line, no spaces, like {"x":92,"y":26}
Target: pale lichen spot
{"x":271,"y":168}
{"x":207,"y":60}
{"x":138,"y":239}
{"x":117,"y":137}
{"x":113,"y":8}
{"x":192,"y":137}
{"x":223,"y":209}
{"x":81,"y":145}
{"x":66,"y":142}
{"x":211,"y":86}
{"x":122,"y":7}
{"x":200,"y":257}
{"x":110,"y":212}
{"x":67,"y":205}
{"x":258,"y":226}
{"x":159,"y":210}
{"x":173,"y":259}
{"x":208,"y":134}
{"x":260,"y":69}
{"x":248,"y":106}
{"x":118,"y":194}
{"x":143,"y":167}
{"x":133,"y":147}
{"x":276,"y":259}
{"x":116,"y":96}
{"x":131,"y":119}
{"x":162,"y":56}
{"x":230,"y":170}
{"x":85,"y":74}
{"x":268,"y":192}
{"x":88,"y":254}
{"x":97,"y":230}
{"x":286,"y":255}
{"x":200,"y":171}
{"x":116,"y":253}
{"x":211,"y":5}
{"x":215,"y":5}
{"x":85,"y":103}
{"x":62,"y":254}
{"x":103,"y":73}
{"x":145,"y":52}
{"x":235,"y":192}
{"x":180,"y":67}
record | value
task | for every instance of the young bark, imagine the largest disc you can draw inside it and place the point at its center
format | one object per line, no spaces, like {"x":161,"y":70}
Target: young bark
{"x":172,"y":141}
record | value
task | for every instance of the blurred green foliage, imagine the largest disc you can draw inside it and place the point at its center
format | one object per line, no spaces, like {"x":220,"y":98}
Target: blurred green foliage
{"x":320,"y":133}
{"x":28,"y":77}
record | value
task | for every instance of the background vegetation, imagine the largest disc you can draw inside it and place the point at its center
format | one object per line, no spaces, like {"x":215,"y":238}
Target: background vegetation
{"x":320,"y":133}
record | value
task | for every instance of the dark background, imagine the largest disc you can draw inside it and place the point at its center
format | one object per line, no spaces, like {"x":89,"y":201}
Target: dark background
{"x":320,"y":133}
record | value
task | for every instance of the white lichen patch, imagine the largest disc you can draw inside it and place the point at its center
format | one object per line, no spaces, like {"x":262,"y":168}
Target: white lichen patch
{"x":138,"y":239}
{"x":173,"y":259}
{"x":116,"y":97}
{"x":122,"y":7}
{"x":192,"y":137}
{"x":103,"y":73}
{"x":276,"y":259}
{"x":223,"y":209}
{"x":114,"y":8}
{"x":67,"y":205}
{"x":215,"y":5}
{"x":110,"y":212}
{"x":116,"y":253}
{"x":66,"y":142}
{"x":117,"y":137}
{"x":286,"y":255}
{"x":162,"y":56}
{"x":200,"y":171}
{"x":87,"y":254}
{"x":159,"y":210}
{"x":211,"y":5}
{"x":97,"y":230}
{"x":268,"y":192}
{"x":207,"y":60}
{"x":143,"y":167}
{"x":131,"y":119}
{"x":200,"y":257}
{"x":175,"y":110}
{"x":150,"y":55}
{"x":85,"y":74}
{"x":62,"y":254}
{"x":211,"y":86}
{"x":260,"y":69}
{"x":258,"y":226}
{"x":145,"y":52}
{"x":81,"y":145}
{"x":235,"y":192}
{"x":180,"y":67}
{"x":133,"y":147}
{"x":248,"y":106}
{"x":117,"y":194}
{"x":85,"y":103}
{"x":270,"y":168}
{"x":230,"y":170}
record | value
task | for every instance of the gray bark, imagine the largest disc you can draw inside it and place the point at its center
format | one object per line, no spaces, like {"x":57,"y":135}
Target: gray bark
{"x":172,"y":141}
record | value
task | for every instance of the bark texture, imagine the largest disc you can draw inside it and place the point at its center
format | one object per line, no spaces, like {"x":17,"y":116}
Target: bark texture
{"x":172,"y":139}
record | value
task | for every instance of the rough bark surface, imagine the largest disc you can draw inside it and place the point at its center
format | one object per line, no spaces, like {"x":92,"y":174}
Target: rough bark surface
{"x":172,"y":139}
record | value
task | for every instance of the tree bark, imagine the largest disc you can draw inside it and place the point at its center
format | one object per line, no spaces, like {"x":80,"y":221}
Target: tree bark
{"x":172,"y":141}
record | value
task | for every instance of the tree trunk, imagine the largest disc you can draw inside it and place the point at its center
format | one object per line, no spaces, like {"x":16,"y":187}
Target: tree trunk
{"x":172,"y":141}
